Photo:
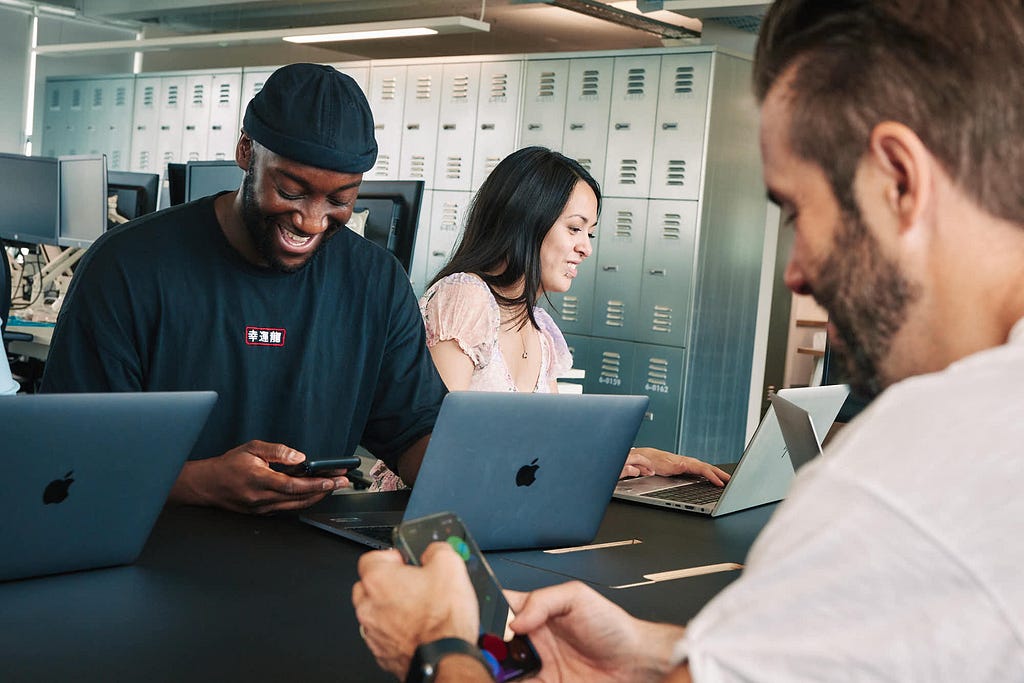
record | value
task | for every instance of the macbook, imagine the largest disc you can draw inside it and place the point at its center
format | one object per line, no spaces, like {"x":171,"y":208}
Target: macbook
{"x":766,"y":468}
{"x":85,"y":475}
{"x":520,"y":470}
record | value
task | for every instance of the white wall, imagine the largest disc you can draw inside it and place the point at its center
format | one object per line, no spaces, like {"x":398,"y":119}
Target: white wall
{"x":15,"y":37}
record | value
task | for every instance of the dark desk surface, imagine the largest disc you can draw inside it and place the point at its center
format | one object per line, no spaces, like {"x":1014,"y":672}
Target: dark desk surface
{"x":219,"y":596}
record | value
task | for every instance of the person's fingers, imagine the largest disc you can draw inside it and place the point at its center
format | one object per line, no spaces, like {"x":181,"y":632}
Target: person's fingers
{"x":375,"y":559}
{"x":544,"y":604}
{"x":275,"y":452}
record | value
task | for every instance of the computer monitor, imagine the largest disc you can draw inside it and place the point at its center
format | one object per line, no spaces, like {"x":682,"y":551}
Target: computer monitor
{"x":175,"y":184}
{"x":137,"y":193}
{"x":28,"y":199}
{"x":82,"y":205}
{"x":394,"y":207}
{"x":203,"y":178}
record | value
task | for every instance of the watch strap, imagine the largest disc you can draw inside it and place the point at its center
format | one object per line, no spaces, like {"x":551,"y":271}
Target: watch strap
{"x":428,"y":656}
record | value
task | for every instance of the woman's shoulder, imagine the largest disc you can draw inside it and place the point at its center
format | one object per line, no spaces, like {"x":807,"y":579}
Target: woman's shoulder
{"x":465,"y":287}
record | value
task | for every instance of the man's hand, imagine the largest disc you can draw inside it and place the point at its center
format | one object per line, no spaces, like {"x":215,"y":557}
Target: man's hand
{"x":581,"y":636}
{"x":642,"y":462}
{"x":400,"y":606}
{"x":241,"y":480}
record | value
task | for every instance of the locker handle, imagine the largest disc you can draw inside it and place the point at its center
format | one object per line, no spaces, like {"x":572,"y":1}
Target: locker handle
{"x":656,"y":271}
{"x":190,"y":127}
{"x":165,"y":127}
{"x":217,"y":127}
{"x":610,"y":268}
{"x":413,"y":126}
{"x":140,"y":128}
{"x":669,"y":126}
{"x":438,"y":253}
{"x":533,"y":126}
{"x":575,"y":126}
{"x":379,"y":126}
{"x":487,"y":126}
{"x":622,"y":126}
{"x":449,"y":126}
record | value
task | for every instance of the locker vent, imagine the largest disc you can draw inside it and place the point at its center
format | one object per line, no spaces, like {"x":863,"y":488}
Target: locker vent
{"x":615,"y":314}
{"x":76,"y":98}
{"x":684,"y":80}
{"x":417,"y":166}
{"x":143,"y":160}
{"x":570,"y":308}
{"x":499,"y":87}
{"x":198,"y":95}
{"x":220,"y":156}
{"x":587,"y":164}
{"x":383,"y":165}
{"x":148,"y":95}
{"x":657,"y":375}
{"x":628,"y":169}
{"x":193,"y":156}
{"x":623,"y":224}
{"x":449,"y":217}
{"x":661,"y":321}
{"x":671,"y":227}
{"x":460,"y":88}
{"x":224,"y":94}
{"x":121,"y":96}
{"x":676,"y":172}
{"x":424,"y":87}
{"x":256,"y":87}
{"x":547,"y":84}
{"x":115,"y":159}
{"x":591,"y":83}
{"x":172,"y":96}
{"x":389,"y":88}
{"x":490,"y":163}
{"x":636,"y":81}
{"x":611,"y":368}
{"x":97,"y":98}
{"x":168,"y":157}
{"x":55,"y":99}
{"x":453,"y":167}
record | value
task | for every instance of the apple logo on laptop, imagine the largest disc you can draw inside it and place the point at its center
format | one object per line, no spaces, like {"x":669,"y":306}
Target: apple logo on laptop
{"x":57,"y":490}
{"x":527,"y":474}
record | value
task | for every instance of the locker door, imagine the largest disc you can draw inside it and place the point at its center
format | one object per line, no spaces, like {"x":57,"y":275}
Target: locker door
{"x":679,"y":132}
{"x":544,"y":92}
{"x":610,"y":369}
{"x":586,"y":113}
{"x":421,"y":248}
{"x":252,"y":83}
{"x":579,"y":347}
{"x":419,"y":124}
{"x":172,"y":119}
{"x":631,"y":126}
{"x":196,"y":117}
{"x":387,"y":101}
{"x":619,"y":264}
{"x":359,"y":74}
{"x":146,"y":125}
{"x":573,"y":311}
{"x":447,"y":215}
{"x":667,"y":280}
{"x":495,"y":117}
{"x":658,"y":372}
{"x":54,"y":119}
{"x":224,"y":116}
{"x":121,"y":94}
{"x":460,"y":85}
{"x":94,"y":128}
{"x":75,"y":124}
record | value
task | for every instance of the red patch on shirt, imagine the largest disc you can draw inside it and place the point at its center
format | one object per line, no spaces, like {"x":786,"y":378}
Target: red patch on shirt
{"x":264,"y":336}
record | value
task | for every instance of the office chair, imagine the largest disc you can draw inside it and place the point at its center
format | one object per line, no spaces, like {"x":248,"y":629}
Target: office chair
{"x":5,"y":303}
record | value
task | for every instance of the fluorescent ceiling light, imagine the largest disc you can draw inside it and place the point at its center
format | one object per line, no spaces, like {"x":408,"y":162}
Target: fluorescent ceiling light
{"x":606,"y":12}
{"x":362,"y":35}
{"x":433,"y":25}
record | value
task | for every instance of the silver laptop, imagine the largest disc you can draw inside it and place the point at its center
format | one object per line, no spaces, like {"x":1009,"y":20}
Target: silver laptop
{"x":765,"y":470}
{"x":520,"y":470}
{"x":85,"y":475}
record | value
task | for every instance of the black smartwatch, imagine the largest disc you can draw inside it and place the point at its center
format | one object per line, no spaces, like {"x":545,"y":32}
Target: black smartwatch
{"x":427,"y":656}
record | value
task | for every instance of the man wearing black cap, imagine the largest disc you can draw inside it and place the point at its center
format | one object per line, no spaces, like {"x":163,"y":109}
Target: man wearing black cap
{"x":310,"y":334}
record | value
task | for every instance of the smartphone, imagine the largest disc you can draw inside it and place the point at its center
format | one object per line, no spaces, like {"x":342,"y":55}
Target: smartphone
{"x":316,"y":468}
{"x":511,"y":656}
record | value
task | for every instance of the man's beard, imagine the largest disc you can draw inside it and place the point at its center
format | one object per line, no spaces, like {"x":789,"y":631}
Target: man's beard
{"x":263,"y":234}
{"x":867,"y":298}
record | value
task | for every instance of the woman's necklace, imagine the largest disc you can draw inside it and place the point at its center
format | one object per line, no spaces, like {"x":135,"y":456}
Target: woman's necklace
{"x":522,"y":335}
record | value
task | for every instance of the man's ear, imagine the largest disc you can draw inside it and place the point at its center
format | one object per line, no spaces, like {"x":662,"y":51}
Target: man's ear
{"x":905,"y":167}
{"x":243,"y":152}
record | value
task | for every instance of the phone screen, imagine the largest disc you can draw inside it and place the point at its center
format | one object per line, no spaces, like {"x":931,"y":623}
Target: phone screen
{"x":511,"y":656}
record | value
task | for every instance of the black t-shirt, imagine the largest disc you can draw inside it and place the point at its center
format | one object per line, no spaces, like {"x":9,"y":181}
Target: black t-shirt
{"x":320,"y":359}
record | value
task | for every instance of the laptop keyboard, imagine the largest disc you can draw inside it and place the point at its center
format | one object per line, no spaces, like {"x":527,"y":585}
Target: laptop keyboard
{"x":698,"y":493}
{"x":378,"y":533}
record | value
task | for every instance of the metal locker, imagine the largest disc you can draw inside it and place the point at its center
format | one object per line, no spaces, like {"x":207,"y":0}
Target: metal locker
{"x":146,"y":124}
{"x":120,"y":99}
{"x":387,"y":102}
{"x":610,"y":367}
{"x":634,"y":106}
{"x":460,"y":85}
{"x":173,"y":94}
{"x":447,"y":215}
{"x":658,"y":372}
{"x":681,"y":122}
{"x":360,"y":74}
{"x":579,"y":347}
{"x":619,"y":263}
{"x":94,"y":131}
{"x":421,"y":247}
{"x":195,"y":105}
{"x":495,"y":117}
{"x":54,"y":120}
{"x":587,"y":107}
{"x":419,"y":124}
{"x":225,"y":120}
{"x":574,"y":310}
{"x":252,"y":83}
{"x":75,"y":137}
{"x":666,"y":284}
{"x":544,"y":91}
